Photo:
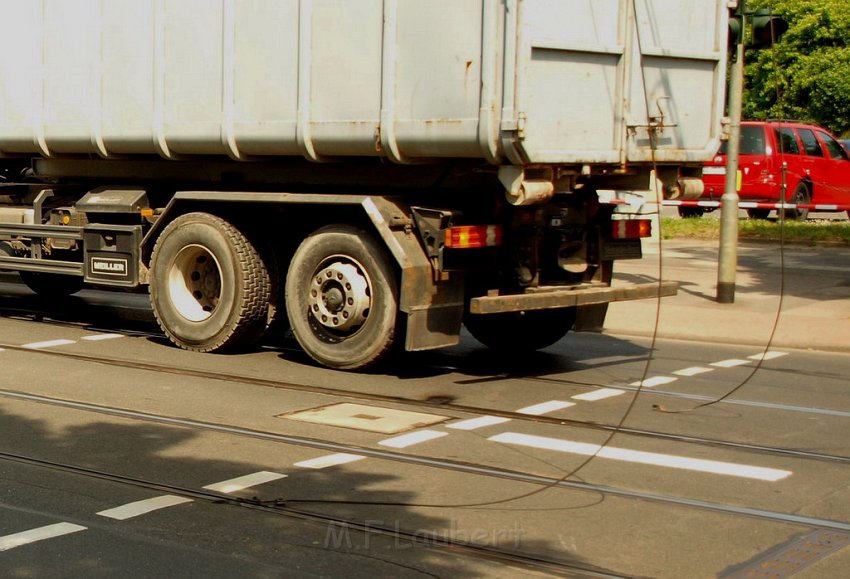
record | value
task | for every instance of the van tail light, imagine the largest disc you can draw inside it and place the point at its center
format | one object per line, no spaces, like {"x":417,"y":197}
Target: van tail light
{"x":473,"y":236}
{"x":631,"y":228}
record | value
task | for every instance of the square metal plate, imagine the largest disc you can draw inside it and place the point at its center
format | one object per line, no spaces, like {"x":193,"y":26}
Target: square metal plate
{"x":369,"y":418}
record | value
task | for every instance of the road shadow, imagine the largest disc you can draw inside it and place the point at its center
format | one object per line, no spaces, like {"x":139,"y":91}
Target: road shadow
{"x":118,"y":459}
{"x":93,"y":310}
{"x":766,"y":268}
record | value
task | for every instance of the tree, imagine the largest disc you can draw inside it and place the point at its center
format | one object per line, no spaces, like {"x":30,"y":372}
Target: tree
{"x":806,"y":75}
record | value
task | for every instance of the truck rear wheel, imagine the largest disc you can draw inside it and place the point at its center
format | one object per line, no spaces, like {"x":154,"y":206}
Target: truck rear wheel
{"x":521,"y":331}
{"x":342,"y":298}
{"x":210,"y":289}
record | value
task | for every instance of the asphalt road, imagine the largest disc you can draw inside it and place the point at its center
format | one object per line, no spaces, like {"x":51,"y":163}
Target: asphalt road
{"x":122,"y":455}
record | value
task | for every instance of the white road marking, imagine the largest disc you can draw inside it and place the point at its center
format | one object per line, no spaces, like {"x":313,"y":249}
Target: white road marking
{"x":545,"y":407}
{"x":330,"y":460}
{"x":406,"y":440}
{"x":48,"y":344}
{"x":100,"y":337}
{"x":654,"y":381}
{"x":730,"y":363}
{"x":33,"y":535}
{"x":693,"y":371}
{"x":479,"y":422}
{"x":767,"y":355}
{"x":600,"y":394}
{"x":641,"y":457}
{"x":131,"y":510}
{"x":243,"y":482}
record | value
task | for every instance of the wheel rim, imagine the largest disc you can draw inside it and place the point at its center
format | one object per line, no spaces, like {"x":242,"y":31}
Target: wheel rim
{"x":339,"y":298}
{"x":194,"y":283}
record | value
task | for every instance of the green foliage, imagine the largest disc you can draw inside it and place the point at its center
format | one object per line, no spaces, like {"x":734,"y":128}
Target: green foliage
{"x":806,"y":75}
{"x":807,"y":232}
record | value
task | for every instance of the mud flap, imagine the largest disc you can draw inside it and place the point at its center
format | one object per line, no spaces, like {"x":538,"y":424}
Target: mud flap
{"x":590,"y":318}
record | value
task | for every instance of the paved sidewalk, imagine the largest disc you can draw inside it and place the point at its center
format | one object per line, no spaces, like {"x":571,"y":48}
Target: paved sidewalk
{"x":799,"y":298}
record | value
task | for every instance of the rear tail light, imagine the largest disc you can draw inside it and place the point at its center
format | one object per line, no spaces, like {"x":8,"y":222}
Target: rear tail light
{"x":473,"y":236}
{"x":631,"y":228}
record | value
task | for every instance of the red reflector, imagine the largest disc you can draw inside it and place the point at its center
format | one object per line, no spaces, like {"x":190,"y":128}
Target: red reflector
{"x":472,"y":236}
{"x":631,"y":228}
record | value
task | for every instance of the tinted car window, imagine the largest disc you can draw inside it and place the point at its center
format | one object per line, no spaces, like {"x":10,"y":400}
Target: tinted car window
{"x":787,"y":142}
{"x":810,"y":143}
{"x":835,"y":150}
{"x":752,"y":141}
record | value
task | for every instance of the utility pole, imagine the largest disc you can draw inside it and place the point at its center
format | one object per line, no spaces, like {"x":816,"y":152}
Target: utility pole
{"x":766,"y":30}
{"x":728,"y":258}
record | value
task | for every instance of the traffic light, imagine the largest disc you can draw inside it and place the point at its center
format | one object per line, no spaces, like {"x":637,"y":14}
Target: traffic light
{"x":767,"y":28}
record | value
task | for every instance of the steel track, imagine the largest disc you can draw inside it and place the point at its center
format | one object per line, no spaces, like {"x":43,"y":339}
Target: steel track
{"x":468,"y":549}
{"x":461,"y":408}
{"x":451,"y":465}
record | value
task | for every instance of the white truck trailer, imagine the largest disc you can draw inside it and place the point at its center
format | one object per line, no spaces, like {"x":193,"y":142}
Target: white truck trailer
{"x":371,"y":173}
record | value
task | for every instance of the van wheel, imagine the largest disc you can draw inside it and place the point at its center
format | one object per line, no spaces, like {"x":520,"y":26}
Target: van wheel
{"x":758,"y":213}
{"x":801,"y":196}
{"x":210,"y":289}
{"x":521,"y":331}
{"x":688,"y":212}
{"x":342,"y":298}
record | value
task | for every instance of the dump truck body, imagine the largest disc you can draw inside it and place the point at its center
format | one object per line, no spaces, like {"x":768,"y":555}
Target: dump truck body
{"x":463,"y":142}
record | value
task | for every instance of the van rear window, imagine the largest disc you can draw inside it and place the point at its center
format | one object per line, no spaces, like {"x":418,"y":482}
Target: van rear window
{"x":752,"y":141}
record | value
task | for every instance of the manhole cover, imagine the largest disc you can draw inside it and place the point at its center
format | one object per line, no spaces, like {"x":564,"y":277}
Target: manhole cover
{"x":370,"y":418}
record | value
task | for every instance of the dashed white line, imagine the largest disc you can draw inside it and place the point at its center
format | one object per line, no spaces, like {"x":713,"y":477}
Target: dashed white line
{"x":545,"y":407}
{"x":413,"y":438}
{"x":642,"y":457}
{"x":48,"y":344}
{"x":243,"y":482}
{"x":100,"y":337}
{"x":137,"y":508}
{"x":730,"y":363}
{"x":654,"y":381}
{"x":693,"y":371}
{"x":330,"y":460}
{"x":767,"y":355}
{"x":39,"y":534}
{"x":480,"y":422}
{"x":600,"y":394}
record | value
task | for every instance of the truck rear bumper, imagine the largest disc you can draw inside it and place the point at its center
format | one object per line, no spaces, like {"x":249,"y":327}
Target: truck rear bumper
{"x":557,"y":297}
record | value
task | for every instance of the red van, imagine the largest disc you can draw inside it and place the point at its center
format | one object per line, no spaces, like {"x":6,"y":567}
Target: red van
{"x":812,"y":164}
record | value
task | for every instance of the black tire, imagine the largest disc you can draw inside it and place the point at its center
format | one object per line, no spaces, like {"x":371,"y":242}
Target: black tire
{"x":342,"y":298}
{"x":210,"y":289}
{"x":689,"y":212}
{"x":521,"y":331}
{"x":758,"y":213}
{"x":52,"y":285}
{"x":801,"y":196}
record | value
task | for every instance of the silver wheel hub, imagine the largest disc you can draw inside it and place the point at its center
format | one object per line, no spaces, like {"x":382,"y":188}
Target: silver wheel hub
{"x":194,"y":283}
{"x":339,"y":296}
